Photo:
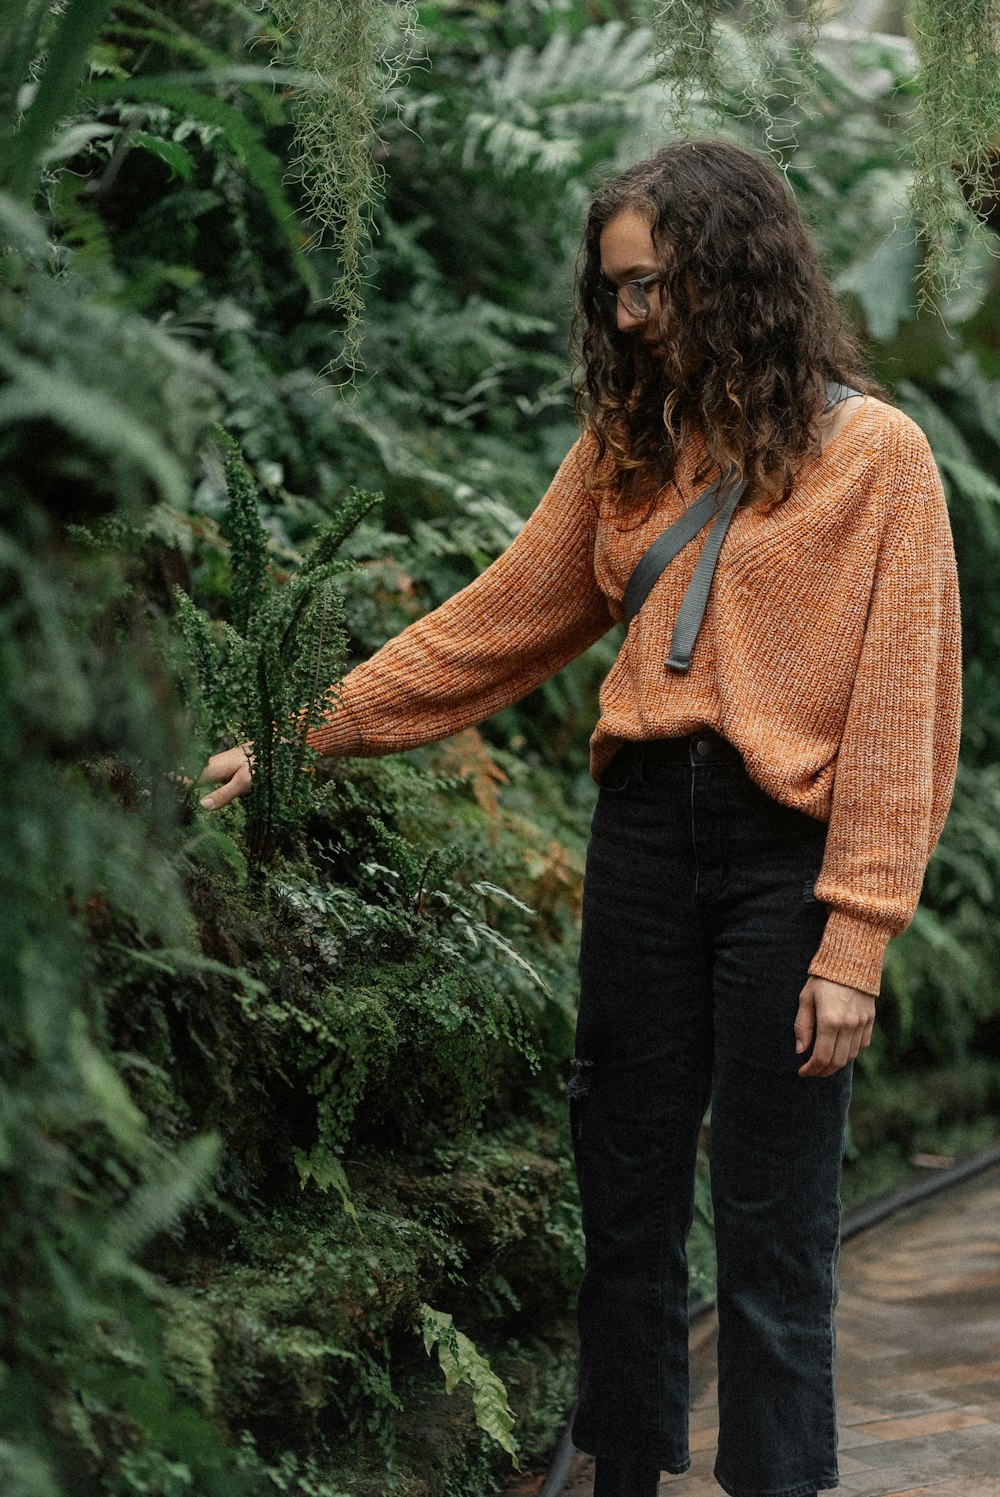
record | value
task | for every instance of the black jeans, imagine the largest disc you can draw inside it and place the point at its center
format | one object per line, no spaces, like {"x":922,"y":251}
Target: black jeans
{"x":699,"y":925}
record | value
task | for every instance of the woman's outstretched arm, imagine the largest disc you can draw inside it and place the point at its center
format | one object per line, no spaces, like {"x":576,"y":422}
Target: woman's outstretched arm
{"x":527,"y":615}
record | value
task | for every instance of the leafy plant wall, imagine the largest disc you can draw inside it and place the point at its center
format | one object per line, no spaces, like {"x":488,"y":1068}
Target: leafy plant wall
{"x":281,"y":1122}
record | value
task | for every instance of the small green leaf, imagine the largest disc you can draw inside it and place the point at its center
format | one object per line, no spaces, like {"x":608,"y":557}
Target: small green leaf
{"x":326,"y":1171}
{"x":180,"y":161}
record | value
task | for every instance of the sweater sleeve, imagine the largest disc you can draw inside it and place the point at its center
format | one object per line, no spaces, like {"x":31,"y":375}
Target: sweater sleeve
{"x":896,"y":765}
{"x":525,"y":617}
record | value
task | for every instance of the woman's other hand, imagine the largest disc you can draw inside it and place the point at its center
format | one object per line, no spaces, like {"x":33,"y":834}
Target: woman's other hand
{"x":232,"y":771}
{"x":836,"y":1020}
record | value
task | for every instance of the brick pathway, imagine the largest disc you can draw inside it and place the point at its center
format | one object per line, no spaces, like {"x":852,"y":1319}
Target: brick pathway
{"x":918,"y":1357}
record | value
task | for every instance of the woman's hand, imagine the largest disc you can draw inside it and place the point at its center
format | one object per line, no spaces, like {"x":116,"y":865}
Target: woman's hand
{"x":836,"y":1020}
{"x":232,"y":770}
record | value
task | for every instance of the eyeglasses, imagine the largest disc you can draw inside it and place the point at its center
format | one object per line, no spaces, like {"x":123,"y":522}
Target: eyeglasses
{"x":633,"y":295}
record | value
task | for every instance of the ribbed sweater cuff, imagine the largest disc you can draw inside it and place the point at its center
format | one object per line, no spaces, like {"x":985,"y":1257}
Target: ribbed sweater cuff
{"x":852,"y":952}
{"x":339,"y":735}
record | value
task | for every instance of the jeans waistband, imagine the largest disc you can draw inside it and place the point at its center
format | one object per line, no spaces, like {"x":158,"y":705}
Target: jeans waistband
{"x":702,"y":748}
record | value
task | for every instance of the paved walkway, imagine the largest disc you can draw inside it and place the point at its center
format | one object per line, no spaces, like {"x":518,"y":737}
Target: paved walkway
{"x":918,"y":1357}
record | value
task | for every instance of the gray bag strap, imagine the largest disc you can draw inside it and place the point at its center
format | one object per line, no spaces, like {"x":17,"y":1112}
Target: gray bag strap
{"x":654,"y":561}
{"x":721,"y":501}
{"x":692,"y":609}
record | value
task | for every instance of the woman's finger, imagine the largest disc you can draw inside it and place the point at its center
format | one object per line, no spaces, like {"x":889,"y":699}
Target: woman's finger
{"x":232,"y":772}
{"x":227,"y":793}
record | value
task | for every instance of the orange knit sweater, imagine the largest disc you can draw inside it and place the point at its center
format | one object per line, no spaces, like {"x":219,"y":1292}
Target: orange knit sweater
{"x":829,"y":655}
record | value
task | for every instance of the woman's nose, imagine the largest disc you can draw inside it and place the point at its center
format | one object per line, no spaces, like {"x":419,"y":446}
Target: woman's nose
{"x":628,"y":322}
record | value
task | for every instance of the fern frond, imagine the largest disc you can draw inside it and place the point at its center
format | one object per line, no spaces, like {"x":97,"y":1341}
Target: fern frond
{"x":92,"y":417}
{"x":511,"y":146}
{"x":163,"y":1197}
{"x":541,"y":108}
{"x":161,"y":29}
{"x":602,"y":62}
{"x":247,"y":542}
{"x":321,"y":653}
{"x":265,"y":171}
{"x":197,"y":636}
{"x":332,"y":535}
{"x":462,"y":1363}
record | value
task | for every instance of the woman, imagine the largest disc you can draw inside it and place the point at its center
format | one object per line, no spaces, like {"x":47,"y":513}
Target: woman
{"x":769,"y":795}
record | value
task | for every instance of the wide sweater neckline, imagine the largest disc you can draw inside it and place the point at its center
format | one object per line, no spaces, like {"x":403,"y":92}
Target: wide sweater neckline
{"x":839,"y":453}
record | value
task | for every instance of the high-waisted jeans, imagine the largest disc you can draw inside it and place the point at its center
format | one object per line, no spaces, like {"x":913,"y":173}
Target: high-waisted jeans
{"x":699,"y":924}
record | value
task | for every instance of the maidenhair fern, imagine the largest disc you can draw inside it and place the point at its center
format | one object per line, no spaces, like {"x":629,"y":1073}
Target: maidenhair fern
{"x":355,"y":51}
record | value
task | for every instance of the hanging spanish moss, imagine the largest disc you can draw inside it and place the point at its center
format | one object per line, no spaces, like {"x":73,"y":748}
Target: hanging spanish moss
{"x":753,"y":62}
{"x":687,"y":50}
{"x":779,"y":37}
{"x":355,"y":51}
{"x":958,"y":145}
{"x":755,"y":57}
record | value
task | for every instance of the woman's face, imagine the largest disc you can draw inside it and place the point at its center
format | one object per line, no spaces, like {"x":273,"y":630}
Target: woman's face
{"x":628,"y":254}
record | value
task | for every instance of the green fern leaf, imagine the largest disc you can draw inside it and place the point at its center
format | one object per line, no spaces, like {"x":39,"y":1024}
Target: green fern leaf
{"x":162,"y":1198}
{"x":107,"y":1091}
{"x":92,"y":417}
{"x":462,"y":1363}
{"x":327,"y":1172}
{"x":264,"y":170}
{"x":358,"y":504}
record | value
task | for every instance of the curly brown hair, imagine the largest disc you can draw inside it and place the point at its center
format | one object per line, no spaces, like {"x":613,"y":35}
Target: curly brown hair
{"x":750,"y":332}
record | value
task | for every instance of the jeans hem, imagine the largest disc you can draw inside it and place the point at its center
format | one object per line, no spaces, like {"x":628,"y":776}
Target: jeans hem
{"x":599,"y":1451}
{"x":823,"y":1483}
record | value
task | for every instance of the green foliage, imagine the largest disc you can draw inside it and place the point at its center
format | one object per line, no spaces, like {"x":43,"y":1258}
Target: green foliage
{"x":274,"y":678}
{"x":23,"y":141}
{"x":327,"y":1173}
{"x":86,"y":826}
{"x":698,"y":54}
{"x":130,"y":439}
{"x":249,"y":1126}
{"x":462,"y":1363}
{"x":763,"y":66}
{"x":225,"y":123}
